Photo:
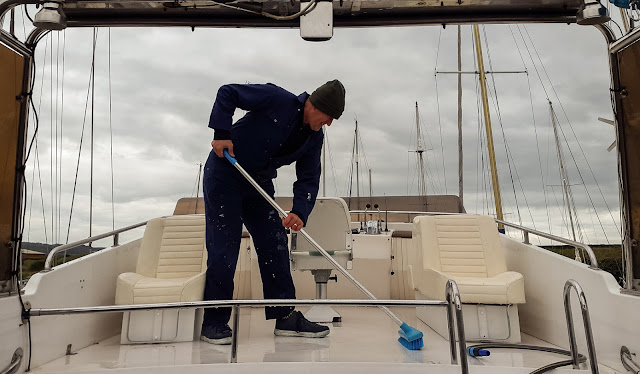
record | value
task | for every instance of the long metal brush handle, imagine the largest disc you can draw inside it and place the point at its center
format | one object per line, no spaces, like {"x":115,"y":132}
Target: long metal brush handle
{"x":317,"y":246}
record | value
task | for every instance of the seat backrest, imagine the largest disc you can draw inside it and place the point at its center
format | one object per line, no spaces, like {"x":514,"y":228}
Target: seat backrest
{"x":329,"y":225}
{"x":173,"y":247}
{"x":459,"y":245}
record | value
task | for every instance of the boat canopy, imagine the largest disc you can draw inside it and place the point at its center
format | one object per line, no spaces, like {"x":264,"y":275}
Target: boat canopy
{"x":282,"y":13}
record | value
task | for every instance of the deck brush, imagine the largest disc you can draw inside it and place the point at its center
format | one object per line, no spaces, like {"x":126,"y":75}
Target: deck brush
{"x":410,"y":337}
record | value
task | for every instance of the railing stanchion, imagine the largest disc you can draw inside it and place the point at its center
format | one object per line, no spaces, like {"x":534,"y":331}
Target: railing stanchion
{"x":454,"y":302}
{"x":452,"y":333}
{"x":573,"y":346}
{"x":234,"y":334}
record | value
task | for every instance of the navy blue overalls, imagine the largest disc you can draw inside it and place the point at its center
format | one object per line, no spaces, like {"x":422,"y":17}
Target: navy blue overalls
{"x":274,"y":114}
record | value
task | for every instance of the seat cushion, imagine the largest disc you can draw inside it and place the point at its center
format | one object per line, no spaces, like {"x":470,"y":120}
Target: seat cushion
{"x":134,"y":288}
{"x":504,"y":288}
{"x":173,"y":247}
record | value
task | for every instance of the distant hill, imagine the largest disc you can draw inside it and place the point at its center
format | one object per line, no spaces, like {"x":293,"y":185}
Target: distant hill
{"x":45,"y":248}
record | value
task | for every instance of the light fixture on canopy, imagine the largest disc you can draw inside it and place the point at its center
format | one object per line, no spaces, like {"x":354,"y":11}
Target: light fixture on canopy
{"x":51,"y":17}
{"x":592,"y":12}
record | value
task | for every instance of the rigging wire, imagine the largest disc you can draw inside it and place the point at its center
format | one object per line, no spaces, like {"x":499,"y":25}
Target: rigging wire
{"x":26,"y":12}
{"x":504,"y":137}
{"x":93,"y":100}
{"x":195,"y":186}
{"x":350,"y":179}
{"x":549,"y":173}
{"x":444,"y":170}
{"x":436,"y":188}
{"x":51,"y":149}
{"x":478,"y":145}
{"x":535,"y":129}
{"x":480,"y":165}
{"x":579,"y":146}
{"x":410,"y":180}
{"x":582,"y":179}
{"x":35,"y":113}
{"x":44,"y":217}
{"x":57,"y":195}
{"x":481,"y":148}
{"x":415,"y":178}
{"x":33,"y":179}
{"x":64,"y":47}
{"x":565,"y":221}
{"x":24,"y":30}
{"x":332,"y":163}
{"x":566,"y":203}
{"x":84,"y":121}
{"x":364,"y":156}
{"x":113,"y":209}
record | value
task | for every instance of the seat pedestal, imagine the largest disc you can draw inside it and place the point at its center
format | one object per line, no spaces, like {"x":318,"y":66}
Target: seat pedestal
{"x":322,"y":313}
{"x":482,"y":322}
{"x":160,"y":326}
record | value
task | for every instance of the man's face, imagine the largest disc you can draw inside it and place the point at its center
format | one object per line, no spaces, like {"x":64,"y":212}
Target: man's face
{"x":315,"y":118}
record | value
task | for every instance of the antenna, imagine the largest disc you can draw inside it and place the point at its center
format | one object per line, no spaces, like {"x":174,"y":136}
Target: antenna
{"x":386,"y":215}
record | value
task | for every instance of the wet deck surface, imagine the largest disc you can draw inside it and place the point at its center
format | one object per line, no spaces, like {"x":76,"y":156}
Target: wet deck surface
{"x":365,"y":335}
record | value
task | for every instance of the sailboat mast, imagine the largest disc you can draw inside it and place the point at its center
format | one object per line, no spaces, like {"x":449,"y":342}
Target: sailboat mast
{"x":324,"y":163}
{"x":419,"y":150}
{"x":563,"y":175}
{"x":357,"y":169}
{"x":460,"y":160}
{"x":370,"y":189}
{"x":93,"y":96}
{"x":198,"y":187}
{"x":487,"y":123}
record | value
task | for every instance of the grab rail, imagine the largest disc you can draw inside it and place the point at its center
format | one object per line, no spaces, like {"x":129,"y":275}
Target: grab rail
{"x":592,"y":256}
{"x":114,"y":233}
{"x":452,"y":303}
{"x":14,"y":365}
{"x":593,"y":362}
{"x":38,"y":312}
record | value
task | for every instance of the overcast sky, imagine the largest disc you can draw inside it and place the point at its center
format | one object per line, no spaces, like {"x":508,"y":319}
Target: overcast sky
{"x":163,"y":83}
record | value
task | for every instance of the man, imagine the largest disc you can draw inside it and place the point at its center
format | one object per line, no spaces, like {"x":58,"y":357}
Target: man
{"x":279,"y":128}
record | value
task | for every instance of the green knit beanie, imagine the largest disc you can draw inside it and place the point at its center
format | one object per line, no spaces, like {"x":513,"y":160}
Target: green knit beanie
{"x":329,"y":98}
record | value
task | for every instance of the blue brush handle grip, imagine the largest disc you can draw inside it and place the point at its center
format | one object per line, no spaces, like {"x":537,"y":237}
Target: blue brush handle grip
{"x":478,"y":352}
{"x":228,"y":156}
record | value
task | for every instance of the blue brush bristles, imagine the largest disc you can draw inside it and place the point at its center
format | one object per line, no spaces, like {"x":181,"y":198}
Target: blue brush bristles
{"x":410,"y":338}
{"x":414,"y":345}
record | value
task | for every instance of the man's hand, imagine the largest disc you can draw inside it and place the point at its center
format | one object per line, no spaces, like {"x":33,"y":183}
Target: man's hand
{"x":220,"y":145}
{"x":292,"y":221}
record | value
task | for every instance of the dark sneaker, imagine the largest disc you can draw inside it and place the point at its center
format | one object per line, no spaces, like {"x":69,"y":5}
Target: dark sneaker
{"x":296,"y":325}
{"x":218,"y":334}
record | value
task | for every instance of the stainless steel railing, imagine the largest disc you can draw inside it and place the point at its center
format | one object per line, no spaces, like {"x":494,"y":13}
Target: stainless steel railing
{"x":452,"y":303}
{"x":627,"y":360}
{"x":573,"y":346}
{"x":115,"y":233}
{"x":593,"y":262}
{"x":14,"y":365}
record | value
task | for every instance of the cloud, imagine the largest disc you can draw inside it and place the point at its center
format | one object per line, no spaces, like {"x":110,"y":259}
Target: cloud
{"x":162,"y":84}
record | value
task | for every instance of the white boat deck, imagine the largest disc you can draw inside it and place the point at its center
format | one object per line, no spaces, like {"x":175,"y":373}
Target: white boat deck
{"x":365,"y":336}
